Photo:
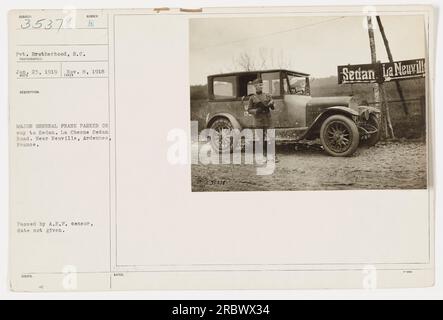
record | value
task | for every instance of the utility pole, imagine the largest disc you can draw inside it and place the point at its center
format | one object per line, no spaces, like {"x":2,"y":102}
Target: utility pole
{"x":391,"y":59}
{"x":378,"y":86}
{"x":387,"y":116}
{"x":373,"y":59}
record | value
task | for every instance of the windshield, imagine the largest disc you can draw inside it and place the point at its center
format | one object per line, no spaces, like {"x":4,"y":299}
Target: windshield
{"x":296,"y":85}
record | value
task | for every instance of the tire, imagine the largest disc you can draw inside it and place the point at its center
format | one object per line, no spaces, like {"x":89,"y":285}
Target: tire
{"x":339,"y":136}
{"x":219,"y":143}
{"x":374,"y":138}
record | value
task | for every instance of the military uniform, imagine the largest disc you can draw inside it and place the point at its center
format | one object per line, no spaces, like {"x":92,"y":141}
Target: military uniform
{"x":259,"y":105}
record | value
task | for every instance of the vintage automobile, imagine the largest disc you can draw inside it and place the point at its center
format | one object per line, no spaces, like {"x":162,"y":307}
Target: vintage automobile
{"x":340,"y":123}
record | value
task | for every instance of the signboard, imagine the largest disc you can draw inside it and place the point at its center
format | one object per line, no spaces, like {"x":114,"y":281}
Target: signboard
{"x":404,"y":69}
{"x":381,"y":72}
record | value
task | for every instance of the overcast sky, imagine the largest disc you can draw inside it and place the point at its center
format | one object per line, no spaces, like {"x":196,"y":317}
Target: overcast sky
{"x":315,"y":45}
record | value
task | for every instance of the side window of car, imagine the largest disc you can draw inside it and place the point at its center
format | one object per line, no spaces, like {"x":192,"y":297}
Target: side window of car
{"x":271,"y":83}
{"x":245,"y":86}
{"x":224,"y":87}
{"x":251,"y":88}
{"x":275,"y":87}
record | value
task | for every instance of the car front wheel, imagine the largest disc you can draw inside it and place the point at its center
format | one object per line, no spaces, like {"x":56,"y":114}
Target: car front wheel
{"x":339,"y":136}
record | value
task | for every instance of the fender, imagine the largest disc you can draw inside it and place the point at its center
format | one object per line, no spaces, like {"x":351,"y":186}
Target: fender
{"x":314,"y":128}
{"x":366,"y":111}
{"x":371,"y":109}
{"x":230,"y":117}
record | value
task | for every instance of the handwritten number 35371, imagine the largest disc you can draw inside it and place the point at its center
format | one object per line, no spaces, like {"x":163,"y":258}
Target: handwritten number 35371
{"x":47,"y":24}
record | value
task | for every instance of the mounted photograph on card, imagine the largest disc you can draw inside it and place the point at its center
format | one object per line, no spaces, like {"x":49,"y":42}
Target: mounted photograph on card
{"x":308,"y":103}
{"x":221,"y":148}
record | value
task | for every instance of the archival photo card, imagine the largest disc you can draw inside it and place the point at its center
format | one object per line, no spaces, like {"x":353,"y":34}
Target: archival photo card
{"x":221,"y":148}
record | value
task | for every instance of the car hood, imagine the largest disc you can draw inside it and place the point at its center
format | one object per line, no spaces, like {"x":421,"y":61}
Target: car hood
{"x":344,"y":101}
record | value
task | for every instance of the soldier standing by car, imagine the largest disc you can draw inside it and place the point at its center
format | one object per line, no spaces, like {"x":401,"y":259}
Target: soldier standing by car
{"x":341,"y":123}
{"x":260,"y":105}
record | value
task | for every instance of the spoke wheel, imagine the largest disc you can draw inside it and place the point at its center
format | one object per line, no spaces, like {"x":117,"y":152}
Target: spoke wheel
{"x":339,"y":136}
{"x":221,"y":138}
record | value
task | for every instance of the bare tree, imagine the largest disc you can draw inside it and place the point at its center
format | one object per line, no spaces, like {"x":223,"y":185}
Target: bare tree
{"x":284,"y":62}
{"x":245,"y":62}
{"x":264,"y":59}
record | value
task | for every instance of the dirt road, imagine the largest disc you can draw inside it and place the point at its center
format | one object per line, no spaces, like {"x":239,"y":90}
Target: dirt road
{"x":388,"y":165}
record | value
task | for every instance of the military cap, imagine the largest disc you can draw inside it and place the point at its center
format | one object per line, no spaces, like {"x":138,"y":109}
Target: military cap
{"x":257,"y":81}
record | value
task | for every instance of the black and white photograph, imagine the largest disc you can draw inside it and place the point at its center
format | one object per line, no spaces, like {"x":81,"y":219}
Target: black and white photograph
{"x":308,"y":103}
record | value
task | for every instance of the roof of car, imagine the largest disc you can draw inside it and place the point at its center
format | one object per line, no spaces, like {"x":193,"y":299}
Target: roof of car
{"x":296,"y":73}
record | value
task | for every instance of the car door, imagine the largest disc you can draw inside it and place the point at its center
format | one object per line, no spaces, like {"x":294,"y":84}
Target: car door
{"x":272,"y":84}
{"x":228,"y":97}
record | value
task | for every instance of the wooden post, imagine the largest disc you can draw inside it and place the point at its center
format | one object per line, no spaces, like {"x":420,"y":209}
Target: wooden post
{"x":376,"y":85}
{"x":373,"y":58}
{"x":386,"y":110}
{"x":391,"y":59}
